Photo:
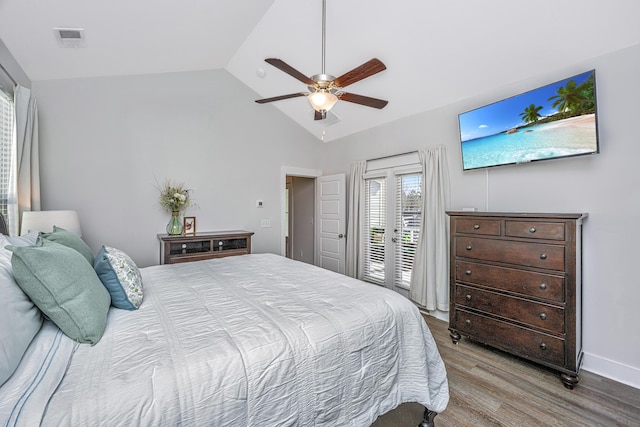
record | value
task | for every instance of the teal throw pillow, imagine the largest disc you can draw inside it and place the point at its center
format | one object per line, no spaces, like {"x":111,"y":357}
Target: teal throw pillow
{"x":120,"y":275}
{"x":64,"y":287}
{"x":70,"y":239}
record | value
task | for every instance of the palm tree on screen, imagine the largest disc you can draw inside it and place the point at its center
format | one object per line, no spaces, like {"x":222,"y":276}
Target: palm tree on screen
{"x":531,"y":114}
{"x":568,"y":98}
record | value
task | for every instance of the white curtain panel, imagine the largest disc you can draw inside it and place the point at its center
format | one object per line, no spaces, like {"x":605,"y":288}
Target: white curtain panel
{"x":430,"y":276}
{"x":355,"y":220}
{"x":24,"y":181}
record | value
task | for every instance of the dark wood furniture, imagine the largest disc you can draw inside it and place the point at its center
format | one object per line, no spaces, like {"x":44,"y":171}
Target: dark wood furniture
{"x":204,"y":245}
{"x":3,"y":226}
{"x":515,"y":283}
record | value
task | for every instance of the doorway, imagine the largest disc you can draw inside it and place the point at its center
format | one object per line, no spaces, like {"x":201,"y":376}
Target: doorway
{"x":324,"y":227}
{"x":300,"y":218}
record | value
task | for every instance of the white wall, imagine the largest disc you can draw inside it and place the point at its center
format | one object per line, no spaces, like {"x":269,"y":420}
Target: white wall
{"x":607,"y":186}
{"x":106,"y":142}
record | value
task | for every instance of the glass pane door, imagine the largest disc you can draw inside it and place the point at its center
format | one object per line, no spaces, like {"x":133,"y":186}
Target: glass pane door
{"x":375,"y":226}
{"x":408,"y":220}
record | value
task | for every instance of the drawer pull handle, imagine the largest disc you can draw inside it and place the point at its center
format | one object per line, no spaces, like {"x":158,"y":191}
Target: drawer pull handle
{"x":543,"y":286}
{"x":543,"y":316}
{"x":468,"y":247}
{"x":184,"y":246}
{"x":468,"y":297}
{"x":467,"y":322}
{"x":476,"y":226}
{"x":468,"y":272}
{"x":532,"y":230}
{"x":543,"y":346}
{"x":543,"y":256}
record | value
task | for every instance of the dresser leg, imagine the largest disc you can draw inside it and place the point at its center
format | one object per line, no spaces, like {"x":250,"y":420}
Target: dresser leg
{"x":455,"y":336}
{"x":428,"y":417}
{"x":569,"y":381}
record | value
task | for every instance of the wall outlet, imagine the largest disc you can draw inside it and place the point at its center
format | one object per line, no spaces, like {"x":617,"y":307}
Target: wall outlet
{"x":259,"y":204}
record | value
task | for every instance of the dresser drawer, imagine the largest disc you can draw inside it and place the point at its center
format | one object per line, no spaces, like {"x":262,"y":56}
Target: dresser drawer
{"x":535,"y":230}
{"x":544,"y":316}
{"x":524,"y":282}
{"x":478,"y":226}
{"x":521,"y":253}
{"x":511,"y":338}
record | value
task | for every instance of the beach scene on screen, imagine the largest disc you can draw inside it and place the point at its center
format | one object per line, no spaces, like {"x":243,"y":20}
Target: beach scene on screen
{"x":556,"y":120}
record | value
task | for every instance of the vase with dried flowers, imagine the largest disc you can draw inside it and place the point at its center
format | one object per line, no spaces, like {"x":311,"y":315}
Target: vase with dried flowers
{"x":174,"y":198}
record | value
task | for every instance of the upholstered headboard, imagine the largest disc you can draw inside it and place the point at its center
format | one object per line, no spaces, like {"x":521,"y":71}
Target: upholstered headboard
{"x":3,"y":225}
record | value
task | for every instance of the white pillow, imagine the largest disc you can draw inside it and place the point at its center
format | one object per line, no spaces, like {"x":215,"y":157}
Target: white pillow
{"x":28,"y":239}
{"x":20,"y":319}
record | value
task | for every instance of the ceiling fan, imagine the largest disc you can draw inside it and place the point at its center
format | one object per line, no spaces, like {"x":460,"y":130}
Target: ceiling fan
{"x":324,"y":89}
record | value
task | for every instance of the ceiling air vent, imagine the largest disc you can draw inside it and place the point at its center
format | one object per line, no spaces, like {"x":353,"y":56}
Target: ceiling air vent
{"x":70,"y":37}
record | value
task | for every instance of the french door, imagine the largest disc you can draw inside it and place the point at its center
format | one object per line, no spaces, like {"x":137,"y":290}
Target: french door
{"x":393,"y":217}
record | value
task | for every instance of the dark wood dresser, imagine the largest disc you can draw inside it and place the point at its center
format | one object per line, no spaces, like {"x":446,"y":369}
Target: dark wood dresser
{"x":515,"y":284}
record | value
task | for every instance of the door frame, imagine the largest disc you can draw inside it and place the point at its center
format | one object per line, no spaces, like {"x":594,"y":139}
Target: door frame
{"x":292,"y":171}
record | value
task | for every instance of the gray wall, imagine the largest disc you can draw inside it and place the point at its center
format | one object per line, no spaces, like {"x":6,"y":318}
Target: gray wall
{"x":12,"y":67}
{"x":303,"y":205}
{"x":106,"y":143}
{"x":606,"y":186}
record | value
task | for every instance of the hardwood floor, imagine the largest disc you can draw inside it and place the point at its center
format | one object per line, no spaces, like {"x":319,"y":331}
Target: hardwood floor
{"x":491,"y":388}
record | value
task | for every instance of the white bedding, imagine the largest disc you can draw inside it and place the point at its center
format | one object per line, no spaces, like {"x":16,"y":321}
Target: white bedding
{"x":242,"y":341}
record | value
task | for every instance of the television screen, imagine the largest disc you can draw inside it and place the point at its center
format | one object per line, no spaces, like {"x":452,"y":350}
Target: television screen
{"x":553,"y":121}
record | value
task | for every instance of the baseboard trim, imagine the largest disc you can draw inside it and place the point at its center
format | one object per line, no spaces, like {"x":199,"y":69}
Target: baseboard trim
{"x":440,"y":315}
{"x":607,"y":368}
{"x":611,"y":369}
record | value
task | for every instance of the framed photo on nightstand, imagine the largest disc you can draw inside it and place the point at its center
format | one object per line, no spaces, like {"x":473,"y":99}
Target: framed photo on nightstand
{"x":189,"y":228}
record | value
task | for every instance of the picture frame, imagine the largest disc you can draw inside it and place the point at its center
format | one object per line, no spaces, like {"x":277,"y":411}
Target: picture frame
{"x":189,"y":226}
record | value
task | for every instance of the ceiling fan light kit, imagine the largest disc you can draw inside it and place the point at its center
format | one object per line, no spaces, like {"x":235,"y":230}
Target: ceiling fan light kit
{"x":322,"y":100}
{"x":324,"y":89}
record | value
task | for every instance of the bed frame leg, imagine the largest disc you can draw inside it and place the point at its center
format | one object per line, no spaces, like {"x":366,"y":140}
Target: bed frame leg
{"x":428,"y":417}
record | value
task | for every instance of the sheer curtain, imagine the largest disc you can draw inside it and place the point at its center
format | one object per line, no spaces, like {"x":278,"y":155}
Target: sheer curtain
{"x":355,"y":219}
{"x":430,"y":276}
{"x":24,"y":179}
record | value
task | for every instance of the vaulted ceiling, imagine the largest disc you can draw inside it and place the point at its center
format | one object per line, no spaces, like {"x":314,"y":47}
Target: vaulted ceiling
{"x":436,"y":51}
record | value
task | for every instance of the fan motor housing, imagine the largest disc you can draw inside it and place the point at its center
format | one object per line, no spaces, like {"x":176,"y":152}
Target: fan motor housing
{"x":323,"y":80}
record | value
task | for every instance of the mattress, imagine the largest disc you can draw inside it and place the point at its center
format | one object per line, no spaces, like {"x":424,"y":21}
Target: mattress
{"x":240,"y":341}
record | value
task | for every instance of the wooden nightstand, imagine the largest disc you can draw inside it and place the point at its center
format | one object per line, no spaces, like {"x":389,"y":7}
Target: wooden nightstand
{"x":204,"y":245}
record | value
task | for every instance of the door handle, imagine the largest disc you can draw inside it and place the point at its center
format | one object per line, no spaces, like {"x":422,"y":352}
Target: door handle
{"x":340,"y":236}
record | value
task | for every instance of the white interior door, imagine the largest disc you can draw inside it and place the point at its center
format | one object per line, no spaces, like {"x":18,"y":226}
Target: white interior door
{"x":331,"y":205}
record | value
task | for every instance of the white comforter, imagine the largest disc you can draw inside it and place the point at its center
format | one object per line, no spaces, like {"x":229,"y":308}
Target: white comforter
{"x":254,"y":340}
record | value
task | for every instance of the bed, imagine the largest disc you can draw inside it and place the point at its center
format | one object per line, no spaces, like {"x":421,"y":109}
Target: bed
{"x":240,"y":341}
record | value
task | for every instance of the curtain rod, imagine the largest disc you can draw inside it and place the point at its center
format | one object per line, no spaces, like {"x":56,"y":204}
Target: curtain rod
{"x":8,"y":75}
{"x":392,"y":155}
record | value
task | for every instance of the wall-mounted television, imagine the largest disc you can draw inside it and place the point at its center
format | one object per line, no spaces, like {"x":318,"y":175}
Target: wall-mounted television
{"x":553,"y":121}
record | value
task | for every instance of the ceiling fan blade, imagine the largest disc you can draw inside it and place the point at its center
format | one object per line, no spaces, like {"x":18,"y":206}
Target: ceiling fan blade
{"x":283,"y":66}
{"x":319,"y":115}
{"x":363,"y":100}
{"x":365,"y":70}
{"x":281,"y":97}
